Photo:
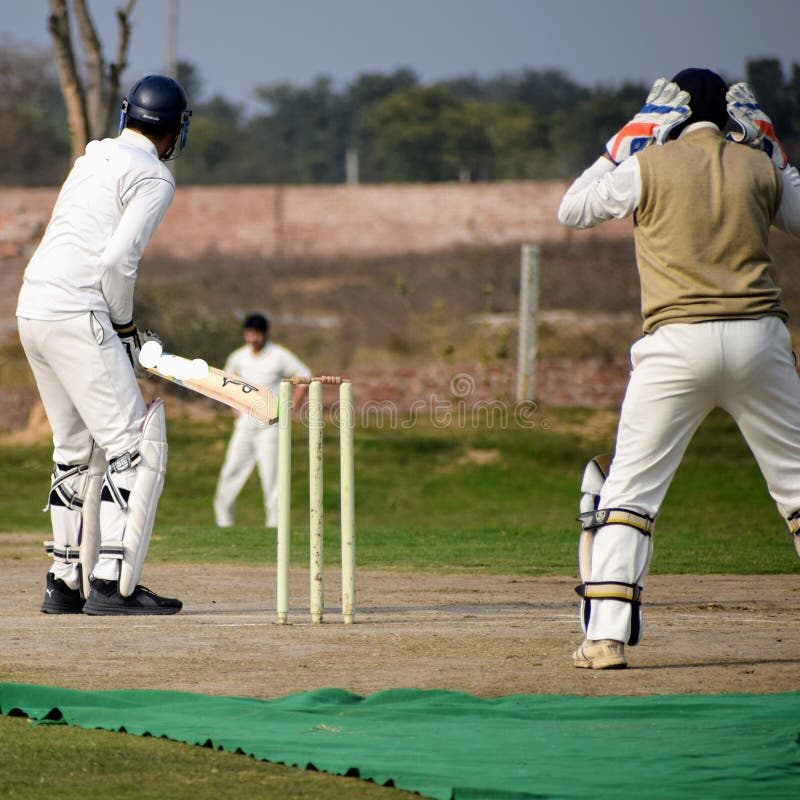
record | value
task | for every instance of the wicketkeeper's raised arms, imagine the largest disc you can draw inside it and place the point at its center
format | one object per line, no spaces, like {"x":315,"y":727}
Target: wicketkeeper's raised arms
{"x":756,"y":126}
{"x":665,"y":108}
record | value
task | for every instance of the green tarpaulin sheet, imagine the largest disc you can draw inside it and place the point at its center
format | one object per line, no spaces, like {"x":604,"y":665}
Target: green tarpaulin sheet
{"x":452,"y":745}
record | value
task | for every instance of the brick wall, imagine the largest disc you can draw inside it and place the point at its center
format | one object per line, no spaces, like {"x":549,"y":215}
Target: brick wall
{"x":328,"y":221}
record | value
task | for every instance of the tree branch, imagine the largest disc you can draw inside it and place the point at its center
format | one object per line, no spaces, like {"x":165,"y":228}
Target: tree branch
{"x":117,"y":67}
{"x":96,"y":88}
{"x":71,"y":85}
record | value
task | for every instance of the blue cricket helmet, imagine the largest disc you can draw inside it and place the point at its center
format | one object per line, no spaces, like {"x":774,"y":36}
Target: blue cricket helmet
{"x":160,"y":103}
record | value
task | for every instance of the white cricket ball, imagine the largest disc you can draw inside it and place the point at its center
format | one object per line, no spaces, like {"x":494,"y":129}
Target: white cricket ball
{"x":150,"y":353}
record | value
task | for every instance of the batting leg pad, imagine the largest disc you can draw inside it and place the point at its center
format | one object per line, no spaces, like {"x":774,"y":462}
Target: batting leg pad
{"x":90,"y":530}
{"x":141,"y":503}
{"x":588,"y":590}
{"x":67,"y":487}
{"x":65,"y":504}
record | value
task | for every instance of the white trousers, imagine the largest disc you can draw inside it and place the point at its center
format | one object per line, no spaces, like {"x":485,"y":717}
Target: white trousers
{"x":680,"y":373}
{"x":249,"y":447}
{"x":90,"y":395}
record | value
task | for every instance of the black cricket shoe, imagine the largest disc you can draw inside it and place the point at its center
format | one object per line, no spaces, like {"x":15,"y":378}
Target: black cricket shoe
{"x":59,"y":598}
{"x":105,"y":600}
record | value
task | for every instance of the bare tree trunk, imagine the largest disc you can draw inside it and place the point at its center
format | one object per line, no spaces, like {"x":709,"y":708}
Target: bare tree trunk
{"x":71,"y":86}
{"x":116,"y":68}
{"x":95,"y":83}
{"x":90,"y":102}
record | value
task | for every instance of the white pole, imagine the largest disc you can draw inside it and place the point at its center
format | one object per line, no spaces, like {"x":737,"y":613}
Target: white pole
{"x":315,"y":431}
{"x":347,"y":492}
{"x":172,"y":40}
{"x":528,"y":314}
{"x":172,"y":59}
{"x":284,"y":498}
{"x":351,"y":167}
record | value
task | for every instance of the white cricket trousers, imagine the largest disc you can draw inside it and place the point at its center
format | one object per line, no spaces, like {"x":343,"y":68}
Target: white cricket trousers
{"x":681,"y":372}
{"x":249,"y":447}
{"x":90,"y":395}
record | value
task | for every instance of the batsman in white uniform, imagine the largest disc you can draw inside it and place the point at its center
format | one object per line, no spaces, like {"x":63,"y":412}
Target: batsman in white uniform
{"x":252,"y":443}
{"x":75,"y":319}
{"x":714,"y":325}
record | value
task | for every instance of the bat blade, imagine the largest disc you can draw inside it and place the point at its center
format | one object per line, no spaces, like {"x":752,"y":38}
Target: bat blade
{"x":259,"y":403}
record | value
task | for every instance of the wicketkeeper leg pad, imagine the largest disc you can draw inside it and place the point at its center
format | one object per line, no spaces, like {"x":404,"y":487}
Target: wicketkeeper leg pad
{"x":594,"y":476}
{"x":589,"y":590}
{"x":793,"y":521}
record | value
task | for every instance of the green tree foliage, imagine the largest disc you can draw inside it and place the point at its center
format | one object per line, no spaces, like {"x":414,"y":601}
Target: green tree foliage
{"x":214,"y":135}
{"x":359,"y":98}
{"x":779,"y":96}
{"x":427,"y":134}
{"x":578,"y":135}
{"x":301,"y":133}
{"x":542,"y":91}
{"x":34,"y":138}
{"x":519,"y":143}
{"x":532,"y":124}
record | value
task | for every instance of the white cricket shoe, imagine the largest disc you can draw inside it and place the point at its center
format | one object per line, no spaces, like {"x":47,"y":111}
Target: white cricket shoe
{"x":600,"y":654}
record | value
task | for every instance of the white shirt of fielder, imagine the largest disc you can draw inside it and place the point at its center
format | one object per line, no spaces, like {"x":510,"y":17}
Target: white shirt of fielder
{"x":265,"y":367}
{"x":253,"y":444}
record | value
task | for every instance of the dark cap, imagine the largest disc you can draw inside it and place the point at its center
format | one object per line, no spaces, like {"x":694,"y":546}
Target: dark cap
{"x":707,"y":93}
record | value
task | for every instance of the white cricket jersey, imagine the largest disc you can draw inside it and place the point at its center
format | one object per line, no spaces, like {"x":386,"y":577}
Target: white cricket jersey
{"x":107,"y":210}
{"x":266,"y":367}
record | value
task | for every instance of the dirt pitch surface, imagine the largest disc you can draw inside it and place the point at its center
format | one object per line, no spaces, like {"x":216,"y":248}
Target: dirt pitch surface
{"x":487,"y":635}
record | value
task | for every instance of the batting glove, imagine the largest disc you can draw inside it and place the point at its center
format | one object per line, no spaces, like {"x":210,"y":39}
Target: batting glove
{"x":666,"y":106}
{"x":132,"y":340}
{"x":755,"y":126}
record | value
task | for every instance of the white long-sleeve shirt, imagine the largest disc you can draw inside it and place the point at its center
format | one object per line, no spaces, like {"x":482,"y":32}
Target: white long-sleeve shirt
{"x":108,"y":208}
{"x":605,"y":191}
{"x":265,"y":367}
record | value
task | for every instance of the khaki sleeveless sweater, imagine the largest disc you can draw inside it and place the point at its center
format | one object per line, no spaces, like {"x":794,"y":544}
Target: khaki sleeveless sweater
{"x":701,"y":231}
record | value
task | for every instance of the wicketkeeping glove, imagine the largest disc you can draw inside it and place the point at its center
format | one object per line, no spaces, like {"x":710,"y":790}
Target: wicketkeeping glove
{"x":755,"y":126}
{"x":132,"y":340}
{"x":666,"y":106}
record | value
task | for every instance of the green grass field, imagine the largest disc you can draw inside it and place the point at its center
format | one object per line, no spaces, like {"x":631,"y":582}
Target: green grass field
{"x":428,"y":499}
{"x":39,"y":761}
{"x":484,"y":501}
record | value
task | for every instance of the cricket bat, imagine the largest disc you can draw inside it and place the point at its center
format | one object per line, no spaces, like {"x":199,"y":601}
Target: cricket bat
{"x":258,"y":403}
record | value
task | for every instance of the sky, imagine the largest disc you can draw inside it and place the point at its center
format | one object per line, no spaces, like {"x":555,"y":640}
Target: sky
{"x":240,"y":44}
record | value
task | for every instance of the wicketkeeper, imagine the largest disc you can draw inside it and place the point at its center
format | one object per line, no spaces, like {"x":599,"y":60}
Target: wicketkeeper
{"x":714,"y":325}
{"x":75,"y":318}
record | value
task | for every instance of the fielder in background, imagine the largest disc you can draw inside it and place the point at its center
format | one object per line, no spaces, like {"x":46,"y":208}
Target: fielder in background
{"x":714,"y":325}
{"x":252,"y":444}
{"x":75,"y":318}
